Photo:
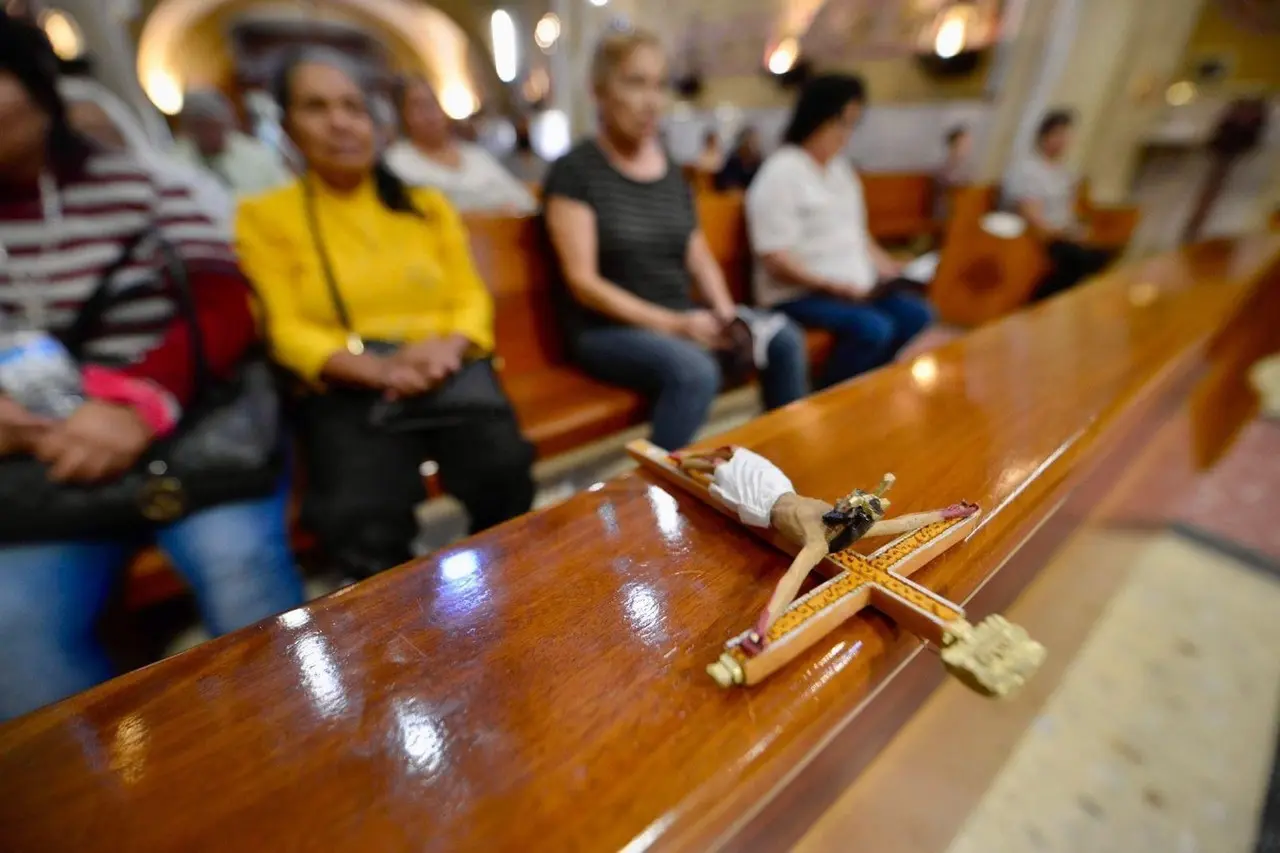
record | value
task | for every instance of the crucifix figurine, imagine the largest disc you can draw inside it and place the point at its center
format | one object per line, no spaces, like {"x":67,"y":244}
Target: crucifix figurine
{"x":994,"y":658}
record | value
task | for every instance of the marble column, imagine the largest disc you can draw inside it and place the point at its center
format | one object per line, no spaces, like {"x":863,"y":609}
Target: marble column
{"x":1028,"y":64}
{"x":1134,"y":99}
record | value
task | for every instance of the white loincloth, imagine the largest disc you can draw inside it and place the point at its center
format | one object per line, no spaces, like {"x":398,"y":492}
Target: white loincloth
{"x":750,"y":484}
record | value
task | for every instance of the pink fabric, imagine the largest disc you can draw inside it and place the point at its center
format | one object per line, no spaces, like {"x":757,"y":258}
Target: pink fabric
{"x":157,"y":407}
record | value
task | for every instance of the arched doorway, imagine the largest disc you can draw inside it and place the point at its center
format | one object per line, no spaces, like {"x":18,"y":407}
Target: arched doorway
{"x":184,"y":44}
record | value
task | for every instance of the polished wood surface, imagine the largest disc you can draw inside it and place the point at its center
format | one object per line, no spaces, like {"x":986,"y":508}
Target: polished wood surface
{"x":541,"y":687}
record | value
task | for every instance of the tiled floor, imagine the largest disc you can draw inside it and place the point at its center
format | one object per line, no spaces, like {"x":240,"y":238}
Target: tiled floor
{"x":1158,"y":739}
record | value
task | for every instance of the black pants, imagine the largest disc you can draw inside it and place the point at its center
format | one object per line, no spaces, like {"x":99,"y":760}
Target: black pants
{"x":363,"y":481}
{"x":1069,"y":264}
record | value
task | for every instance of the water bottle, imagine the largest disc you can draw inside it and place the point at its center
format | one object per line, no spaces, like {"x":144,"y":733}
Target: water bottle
{"x":37,"y":372}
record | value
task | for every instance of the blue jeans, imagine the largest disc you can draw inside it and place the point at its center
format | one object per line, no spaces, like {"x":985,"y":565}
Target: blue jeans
{"x":236,"y":558}
{"x":681,"y":378}
{"x":868,"y":334}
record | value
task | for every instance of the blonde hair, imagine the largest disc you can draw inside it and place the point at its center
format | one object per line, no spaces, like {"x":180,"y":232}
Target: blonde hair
{"x":615,"y":48}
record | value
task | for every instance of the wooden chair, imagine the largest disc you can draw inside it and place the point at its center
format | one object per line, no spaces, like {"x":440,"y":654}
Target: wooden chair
{"x":981,"y":276}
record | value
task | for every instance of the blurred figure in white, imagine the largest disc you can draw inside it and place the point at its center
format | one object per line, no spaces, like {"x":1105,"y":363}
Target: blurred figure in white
{"x":953,"y":170}
{"x":431,"y":155}
{"x":98,"y":113}
{"x":209,"y":140}
{"x":384,"y":121}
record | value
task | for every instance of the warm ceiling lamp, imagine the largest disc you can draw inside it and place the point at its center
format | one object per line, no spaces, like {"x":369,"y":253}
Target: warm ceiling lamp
{"x":953,"y":30}
{"x":164,"y":90}
{"x":457,"y":100}
{"x":547,"y":32}
{"x":783,"y":57}
{"x":63,"y":33}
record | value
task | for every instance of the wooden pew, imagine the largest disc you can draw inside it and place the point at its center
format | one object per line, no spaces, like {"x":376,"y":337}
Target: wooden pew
{"x":558,"y":660}
{"x":559,"y":406}
{"x":981,"y":276}
{"x":899,"y":205}
{"x":722,"y":217}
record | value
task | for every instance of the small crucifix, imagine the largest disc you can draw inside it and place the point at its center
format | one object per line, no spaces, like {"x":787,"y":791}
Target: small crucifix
{"x":994,"y":658}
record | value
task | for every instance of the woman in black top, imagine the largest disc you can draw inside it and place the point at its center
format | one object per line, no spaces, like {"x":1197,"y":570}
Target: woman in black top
{"x":623,"y":223}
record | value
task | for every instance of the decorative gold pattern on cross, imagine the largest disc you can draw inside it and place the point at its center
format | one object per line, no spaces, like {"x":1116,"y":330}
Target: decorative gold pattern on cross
{"x":994,"y":658}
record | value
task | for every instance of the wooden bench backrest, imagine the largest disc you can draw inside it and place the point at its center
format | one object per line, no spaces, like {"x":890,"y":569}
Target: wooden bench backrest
{"x":899,"y":204}
{"x":722,"y":217}
{"x":514,"y":259}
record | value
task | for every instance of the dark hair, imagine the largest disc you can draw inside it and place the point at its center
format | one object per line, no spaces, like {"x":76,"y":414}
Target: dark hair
{"x":955,"y":133}
{"x":822,"y":99}
{"x":1053,"y":120}
{"x":25,"y":52}
{"x":392,"y":192}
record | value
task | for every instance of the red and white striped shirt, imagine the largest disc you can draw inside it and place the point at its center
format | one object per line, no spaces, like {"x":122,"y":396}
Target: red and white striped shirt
{"x":56,"y":244}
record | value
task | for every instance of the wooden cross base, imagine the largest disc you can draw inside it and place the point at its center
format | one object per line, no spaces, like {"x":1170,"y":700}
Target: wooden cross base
{"x":994,"y":658}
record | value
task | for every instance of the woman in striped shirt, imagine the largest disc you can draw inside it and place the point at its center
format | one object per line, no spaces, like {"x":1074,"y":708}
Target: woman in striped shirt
{"x":67,"y":210}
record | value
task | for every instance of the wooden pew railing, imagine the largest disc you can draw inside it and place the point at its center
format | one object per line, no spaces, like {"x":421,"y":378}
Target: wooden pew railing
{"x":560,"y":658}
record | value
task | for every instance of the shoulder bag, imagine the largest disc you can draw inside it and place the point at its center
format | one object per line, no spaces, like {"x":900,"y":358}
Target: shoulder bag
{"x":226,"y":448}
{"x":472,"y":393}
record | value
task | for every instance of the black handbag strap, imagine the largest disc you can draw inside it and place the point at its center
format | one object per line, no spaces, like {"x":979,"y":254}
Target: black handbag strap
{"x":95,"y":306}
{"x":92,"y":309}
{"x":326,"y":266}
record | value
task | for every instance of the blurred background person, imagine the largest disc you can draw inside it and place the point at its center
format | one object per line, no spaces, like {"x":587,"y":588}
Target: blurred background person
{"x":953,"y":171}
{"x":523,"y":162}
{"x":808,"y":224}
{"x":67,"y":211}
{"x":208,"y":139}
{"x":1042,"y":189}
{"x":385,"y":121}
{"x":371,"y":298}
{"x":711,"y":157}
{"x":431,"y":155}
{"x":96,"y":112}
{"x":743,"y":162}
{"x":623,"y":224}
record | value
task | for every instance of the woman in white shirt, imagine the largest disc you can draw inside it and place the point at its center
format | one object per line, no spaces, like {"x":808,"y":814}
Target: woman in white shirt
{"x":808,"y":225}
{"x":431,"y":156}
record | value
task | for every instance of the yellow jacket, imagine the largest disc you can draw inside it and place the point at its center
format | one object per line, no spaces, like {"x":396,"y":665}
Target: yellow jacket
{"x":402,"y":278}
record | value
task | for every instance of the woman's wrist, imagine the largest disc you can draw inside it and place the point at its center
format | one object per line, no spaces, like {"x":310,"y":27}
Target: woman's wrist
{"x":675,"y":323}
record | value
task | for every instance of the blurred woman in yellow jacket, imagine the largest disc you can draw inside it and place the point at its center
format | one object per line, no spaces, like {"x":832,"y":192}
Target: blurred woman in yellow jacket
{"x":372,"y":299}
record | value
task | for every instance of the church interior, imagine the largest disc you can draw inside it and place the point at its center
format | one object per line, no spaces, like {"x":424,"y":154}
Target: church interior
{"x":456,"y":425}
